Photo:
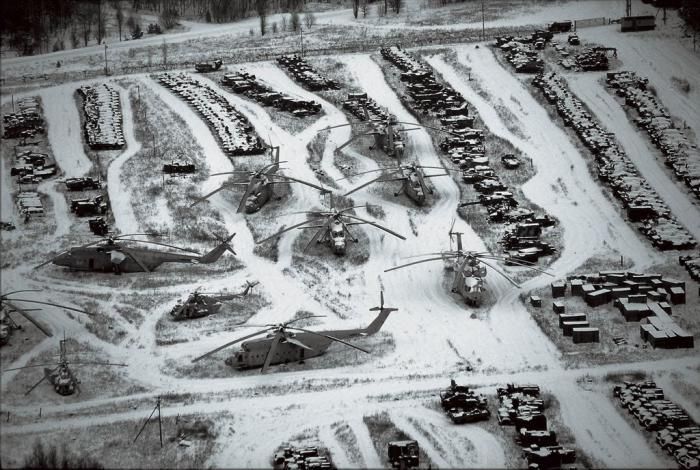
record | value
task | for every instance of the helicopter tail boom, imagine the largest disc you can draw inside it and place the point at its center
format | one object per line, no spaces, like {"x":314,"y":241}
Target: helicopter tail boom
{"x":214,"y":255}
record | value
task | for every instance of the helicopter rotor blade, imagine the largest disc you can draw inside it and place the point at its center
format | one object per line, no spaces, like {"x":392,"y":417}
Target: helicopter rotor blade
{"x":231,"y":343}
{"x":365,"y":172}
{"x":135,"y":258}
{"x":287,"y":230}
{"x":518,"y":262}
{"x":391,"y":232}
{"x":271,"y":352}
{"x":25,"y":314}
{"x":53,"y":305}
{"x":342,"y":211}
{"x":333,"y":338}
{"x":508,"y":278}
{"x":207,"y":196}
{"x":162,"y":244}
{"x":411,"y":264}
{"x":296,"y":342}
{"x":352,"y":139}
{"x":303,"y":318}
{"x":41,"y":380}
{"x":335,"y":127}
{"x":379,"y":178}
{"x":3,"y":296}
{"x":320,"y":188}
{"x":98,"y":364}
{"x":51,"y":260}
{"x":316,"y":236}
{"x":29,"y":367}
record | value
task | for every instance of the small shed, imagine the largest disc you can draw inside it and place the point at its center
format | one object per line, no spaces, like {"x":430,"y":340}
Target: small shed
{"x":569,"y":317}
{"x":586,"y":335}
{"x":598,"y":297}
{"x":568,"y":326}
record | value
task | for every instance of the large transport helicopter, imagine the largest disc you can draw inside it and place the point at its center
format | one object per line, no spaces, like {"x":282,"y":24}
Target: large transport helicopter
{"x":7,"y":306}
{"x":201,"y":304}
{"x":110,"y":254}
{"x":412,"y":176}
{"x":332,"y":228}
{"x":260,"y":187}
{"x":387,"y":134}
{"x":470,"y":269}
{"x":60,"y":375}
{"x":284,"y":343}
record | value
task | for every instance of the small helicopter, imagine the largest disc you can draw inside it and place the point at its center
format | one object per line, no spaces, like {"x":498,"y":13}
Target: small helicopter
{"x":8,"y":325}
{"x":110,"y":255}
{"x":61,"y":377}
{"x":332,"y":228}
{"x":201,"y":304}
{"x":259,"y":188}
{"x":470,"y":269}
{"x":284,"y":343}
{"x":413,"y":180}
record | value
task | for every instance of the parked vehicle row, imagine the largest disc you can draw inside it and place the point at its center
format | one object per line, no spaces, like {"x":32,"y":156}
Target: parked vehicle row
{"x":463,"y":405}
{"x":642,"y":203}
{"x":522,"y":407}
{"x":305,"y":74}
{"x":103,"y":117}
{"x":27,"y":121}
{"x":252,"y":87}
{"x":236,"y":135}
{"x":680,"y":154}
{"x":676,"y":432}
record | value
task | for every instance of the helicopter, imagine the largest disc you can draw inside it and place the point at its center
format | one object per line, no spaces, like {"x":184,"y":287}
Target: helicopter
{"x":284,"y":343}
{"x":201,"y":304}
{"x":413,"y":180}
{"x":387,"y":134}
{"x":470,"y":269}
{"x":109,"y":255}
{"x":259,"y":188}
{"x":332,"y":228}
{"x":8,"y":325}
{"x":61,"y":377}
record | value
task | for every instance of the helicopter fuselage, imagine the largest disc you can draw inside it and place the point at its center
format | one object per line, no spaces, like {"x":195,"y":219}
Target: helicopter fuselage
{"x":412,"y":184}
{"x":62,"y":379}
{"x":469,"y":280}
{"x":260,"y":193}
{"x":104,"y":259}
{"x":336,"y":237}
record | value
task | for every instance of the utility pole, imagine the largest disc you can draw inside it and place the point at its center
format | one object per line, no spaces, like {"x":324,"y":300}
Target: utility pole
{"x":301,"y":36}
{"x":160,"y":426}
{"x":483,"y":27}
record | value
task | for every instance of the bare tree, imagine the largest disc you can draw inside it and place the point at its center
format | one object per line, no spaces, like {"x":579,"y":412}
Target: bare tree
{"x":169,"y":17}
{"x":283,"y":25}
{"x":309,"y":19}
{"x":294,"y":21}
{"x":100,"y":16}
{"x":120,"y":17}
{"x":164,"y":50}
{"x":363,"y":7}
{"x":355,"y":7}
{"x":85,"y":19}
{"x":261,"y":8}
